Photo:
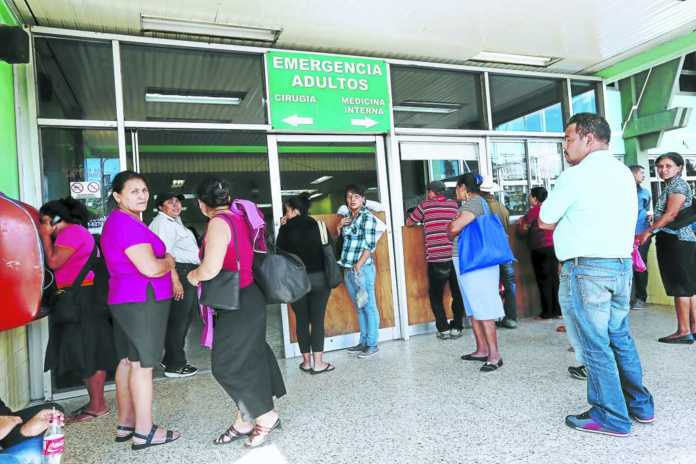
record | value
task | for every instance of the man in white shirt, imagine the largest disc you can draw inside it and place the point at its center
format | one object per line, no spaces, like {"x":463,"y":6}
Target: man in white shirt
{"x":181,"y":244}
{"x":592,"y":210}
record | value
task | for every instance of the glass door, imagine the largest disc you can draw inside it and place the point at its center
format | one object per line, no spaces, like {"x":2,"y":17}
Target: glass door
{"x":422,"y":160}
{"x":322,"y":166}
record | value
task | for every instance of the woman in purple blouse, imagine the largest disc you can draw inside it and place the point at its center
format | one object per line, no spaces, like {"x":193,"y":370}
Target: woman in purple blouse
{"x":140,"y":293}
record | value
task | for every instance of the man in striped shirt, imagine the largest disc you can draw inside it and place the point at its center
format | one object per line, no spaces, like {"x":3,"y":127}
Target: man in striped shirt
{"x":435,"y":213}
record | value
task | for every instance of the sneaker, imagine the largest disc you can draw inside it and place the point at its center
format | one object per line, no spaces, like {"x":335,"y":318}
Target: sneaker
{"x":186,"y":371}
{"x":507,"y":323}
{"x":455,"y":333}
{"x":638,"y":305}
{"x":359,"y":348}
{"x":643,"y":420}
{"x":578,"y":372}
{"x":585,"y":423}
{"x":443,"y":335}
{"x":369,"y":351}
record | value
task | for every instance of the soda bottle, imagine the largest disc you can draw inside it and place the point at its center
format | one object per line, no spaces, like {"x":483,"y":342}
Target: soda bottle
{"x":54,"y":440}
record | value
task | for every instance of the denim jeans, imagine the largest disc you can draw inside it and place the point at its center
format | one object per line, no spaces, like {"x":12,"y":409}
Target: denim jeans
{"x":507,"y":276}
{"x":368,"y":315}
{"x":594,"y":295}
{"x":26,"y":452}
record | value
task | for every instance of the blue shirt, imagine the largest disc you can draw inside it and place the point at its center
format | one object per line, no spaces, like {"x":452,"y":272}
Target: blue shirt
{"x":644,"y":207}
{"x":593,"y":205}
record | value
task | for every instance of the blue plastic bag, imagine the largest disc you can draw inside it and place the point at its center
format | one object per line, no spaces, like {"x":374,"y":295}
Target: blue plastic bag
{"x":483,"y":243}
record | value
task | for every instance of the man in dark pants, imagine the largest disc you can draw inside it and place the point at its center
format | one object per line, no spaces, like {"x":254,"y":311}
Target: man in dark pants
{"x":640,"y":279}
{"x":181,"y":244}
{"x":435,"y":213}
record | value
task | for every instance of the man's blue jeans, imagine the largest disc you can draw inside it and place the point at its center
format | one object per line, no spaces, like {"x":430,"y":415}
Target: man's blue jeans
{"x":26,"y":452}
{"x":368,"y":315}
{"x":594,"y":294}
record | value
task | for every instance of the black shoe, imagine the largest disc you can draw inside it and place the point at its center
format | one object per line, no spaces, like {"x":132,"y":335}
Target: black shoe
{"x":684,"y":339}
{"x":359,"y":348}
{"x":578,"y":372}
{"x":638,"y":305}
{"x":186,"y":371}
{"x":490,"y":367}
{"x":507,"y":323}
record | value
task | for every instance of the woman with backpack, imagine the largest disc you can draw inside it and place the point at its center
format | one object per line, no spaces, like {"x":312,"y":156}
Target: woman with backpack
{"x":80,"y":334}
{"x":242,"y":362}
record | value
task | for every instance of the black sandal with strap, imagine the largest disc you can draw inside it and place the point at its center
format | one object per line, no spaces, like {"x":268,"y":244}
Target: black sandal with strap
{"x":124,"y":428}
{"x":261,"y":433}
{"x":230,"y":435}
{"x":148,"y":439}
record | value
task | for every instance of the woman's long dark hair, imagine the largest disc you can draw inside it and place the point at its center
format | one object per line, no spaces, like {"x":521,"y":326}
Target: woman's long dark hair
{"x":119,"y":183}
{"x":299,"y":202}
{"x":68,"y":209}
{"x":214,"y":192}
{"x":472,"y":182}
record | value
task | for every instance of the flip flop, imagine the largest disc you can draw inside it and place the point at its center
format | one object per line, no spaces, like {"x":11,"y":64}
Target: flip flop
{"x":329,"y":367}
{"x":85,"y":416}
{"x":306,"y":369}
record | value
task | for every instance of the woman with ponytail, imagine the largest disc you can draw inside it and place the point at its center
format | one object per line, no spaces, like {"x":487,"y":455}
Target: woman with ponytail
{"x":300,"y":235}
{"x":82,"y":346}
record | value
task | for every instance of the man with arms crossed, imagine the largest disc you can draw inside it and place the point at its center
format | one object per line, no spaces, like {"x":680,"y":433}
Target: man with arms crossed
{"x":593,"y":237}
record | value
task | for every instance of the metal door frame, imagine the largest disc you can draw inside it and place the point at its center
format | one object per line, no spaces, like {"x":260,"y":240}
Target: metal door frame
{"x":340,"y":341}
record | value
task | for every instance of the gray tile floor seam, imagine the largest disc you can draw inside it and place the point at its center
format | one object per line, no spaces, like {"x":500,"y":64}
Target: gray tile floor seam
{"x":417,"y":402}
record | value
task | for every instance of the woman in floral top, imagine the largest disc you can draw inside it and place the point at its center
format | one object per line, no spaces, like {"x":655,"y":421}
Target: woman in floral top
{"x":676,"y":249}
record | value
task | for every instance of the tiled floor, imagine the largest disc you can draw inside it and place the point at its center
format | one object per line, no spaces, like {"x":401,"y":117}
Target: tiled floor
{"x":416,"y":402}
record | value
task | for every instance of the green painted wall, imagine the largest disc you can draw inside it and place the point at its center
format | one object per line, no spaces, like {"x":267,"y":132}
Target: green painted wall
{"x":9,"y":177}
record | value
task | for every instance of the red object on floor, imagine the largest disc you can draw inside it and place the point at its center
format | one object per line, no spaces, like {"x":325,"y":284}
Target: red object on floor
{"x":21,"y":263}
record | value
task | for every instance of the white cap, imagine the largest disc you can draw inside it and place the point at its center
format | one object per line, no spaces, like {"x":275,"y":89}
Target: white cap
{"x":488,"y":185}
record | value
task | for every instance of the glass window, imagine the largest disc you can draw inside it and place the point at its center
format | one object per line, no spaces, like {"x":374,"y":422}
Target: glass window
{"x":185,"y":85}
{"x":509,"y":164}
{"x":529,"y":104}
{"x":615,"y":120}
{"x":80,"y":155}
{"x":584,"y":96}
{"x":545,"y":163}
{"x":434,"y":98}
{"x":75,"y":79}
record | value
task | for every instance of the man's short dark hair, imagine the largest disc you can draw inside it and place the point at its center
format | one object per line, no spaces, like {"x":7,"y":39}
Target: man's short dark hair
{"x":635,"y":168}
{"x":590,"y":123}
{"x":355,"y":189}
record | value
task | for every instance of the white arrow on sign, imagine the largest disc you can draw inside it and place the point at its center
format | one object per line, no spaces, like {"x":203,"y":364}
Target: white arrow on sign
{"x":365,"y":122}
{"x":296,"y":120}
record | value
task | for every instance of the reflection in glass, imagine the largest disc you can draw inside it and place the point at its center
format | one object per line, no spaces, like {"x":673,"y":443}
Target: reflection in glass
{"x":185,"y":85}
{"x":528,"y":104}
{"x":445,"y":170}
{"x":75,"y":79}
{"x":545,"y":163}
{"x":584,"y":96}
{"x":80,"y":155}
{"x":509,"y":164}
{"x":435,"y":98}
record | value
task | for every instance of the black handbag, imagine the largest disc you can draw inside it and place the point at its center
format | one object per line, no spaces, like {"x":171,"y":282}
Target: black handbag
{"x":222,"y":291}
{"x":684,"y":218}
{"x":332,"y":271}
{"x":64,"y":304}
{"x":281,"y":276}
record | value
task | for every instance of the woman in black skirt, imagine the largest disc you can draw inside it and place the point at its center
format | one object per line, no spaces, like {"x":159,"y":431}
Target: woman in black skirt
{"x":300,"y":235}
{"x":242,"y":361}
{"x":676,"y":249}
{"x":82,"y":346}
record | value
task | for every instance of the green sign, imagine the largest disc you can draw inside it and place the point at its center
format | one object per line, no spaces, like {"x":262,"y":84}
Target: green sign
{"x":325,"y":93}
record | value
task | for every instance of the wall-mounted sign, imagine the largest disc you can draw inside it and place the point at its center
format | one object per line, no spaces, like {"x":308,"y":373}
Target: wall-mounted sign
{"x":326,"y":93}
{"x":82,"y":190}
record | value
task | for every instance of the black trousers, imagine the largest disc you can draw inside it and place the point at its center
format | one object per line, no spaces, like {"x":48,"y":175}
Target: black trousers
{"x":545,"y":267}
{"x":15,"y":437}
{"x":438,"y":275}
{"x":309,"y":315}
{"x":180,"y":317}
{"x":640,"y":279}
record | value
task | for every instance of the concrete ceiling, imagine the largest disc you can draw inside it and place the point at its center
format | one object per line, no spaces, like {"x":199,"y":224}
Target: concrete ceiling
{"x":587,"y":35}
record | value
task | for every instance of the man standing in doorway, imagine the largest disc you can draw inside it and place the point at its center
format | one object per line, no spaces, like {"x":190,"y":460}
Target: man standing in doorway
{"x":359,"y":231}
{"x":181,"y":244}
{"x":435,"y":213}
{"x":645,"y":214}
{"x":593,"y":236}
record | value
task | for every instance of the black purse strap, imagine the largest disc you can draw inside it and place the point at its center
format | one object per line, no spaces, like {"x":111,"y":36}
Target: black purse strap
{"x":85,"y":269}
{"x":230,"y":222}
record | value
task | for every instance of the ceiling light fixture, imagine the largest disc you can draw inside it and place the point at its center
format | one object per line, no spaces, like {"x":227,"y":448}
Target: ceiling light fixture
{"x":416,"y":106}
{"x":510,"y":58}
{"x":288,"y":193}
{"x":321,"y":179}
{"x":316,"y":195}
{"x":193,"y":99}
{"x":230,"y":31}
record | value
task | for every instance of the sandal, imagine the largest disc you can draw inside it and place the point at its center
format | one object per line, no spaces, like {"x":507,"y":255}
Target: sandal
{"x":148,"y":439}
{"x":490,"y":367}
{"x":305,"y":369}
{"x":329,"y":367}
{"x":260,"y":434}
{"x":124,"y":428}
{"x":84,"y":416}
{"x":230,"y":435}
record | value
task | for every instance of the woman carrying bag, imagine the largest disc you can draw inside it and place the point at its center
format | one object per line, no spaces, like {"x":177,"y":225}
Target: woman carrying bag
{"x":477,"y":261}
{"x":300,"y":235}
